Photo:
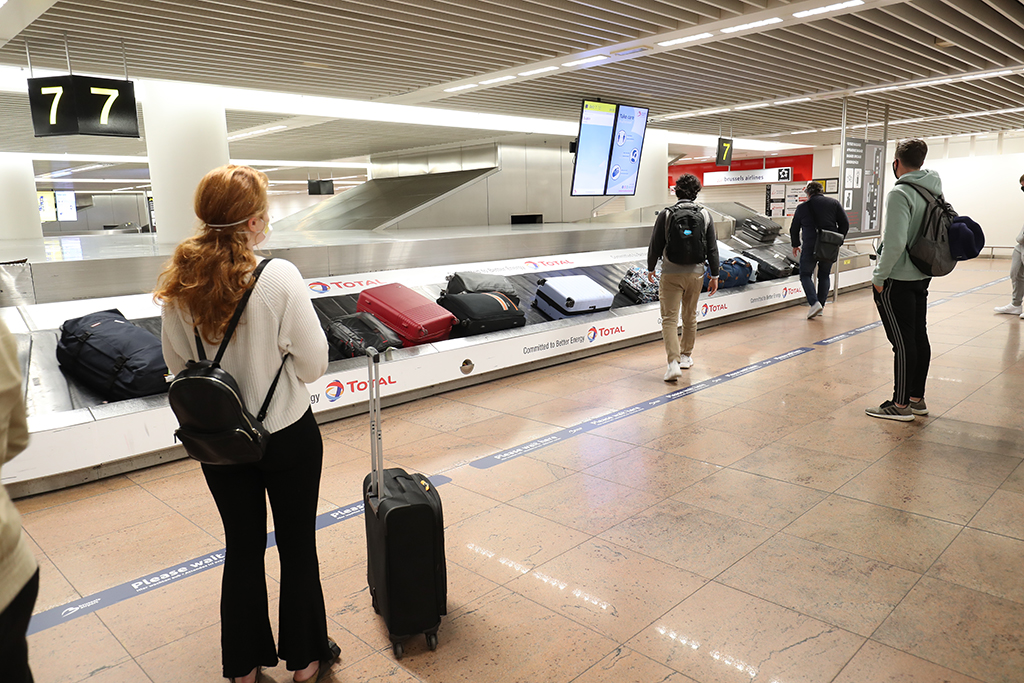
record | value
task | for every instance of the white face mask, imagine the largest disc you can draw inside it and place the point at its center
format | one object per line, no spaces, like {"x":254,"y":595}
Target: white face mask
{"x":267,"y":230}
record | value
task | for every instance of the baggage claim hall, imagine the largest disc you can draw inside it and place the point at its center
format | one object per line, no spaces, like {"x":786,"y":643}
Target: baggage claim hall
{"x":745,"y":522}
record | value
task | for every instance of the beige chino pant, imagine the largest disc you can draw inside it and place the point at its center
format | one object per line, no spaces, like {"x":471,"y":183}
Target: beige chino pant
{"x":679,"y":290}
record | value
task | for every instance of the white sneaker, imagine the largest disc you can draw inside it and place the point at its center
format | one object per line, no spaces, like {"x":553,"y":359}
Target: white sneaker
{"x":815,"y":310}
{"x":686,"y":362}
{"x":1009,"y":309}
{"x":673,"y":373}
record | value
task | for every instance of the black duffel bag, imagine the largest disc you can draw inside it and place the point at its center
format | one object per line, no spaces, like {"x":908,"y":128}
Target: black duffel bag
{"x":111,"y":356}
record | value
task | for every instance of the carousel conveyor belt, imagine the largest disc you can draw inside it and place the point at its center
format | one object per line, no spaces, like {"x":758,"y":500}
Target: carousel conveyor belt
{"x":51,"y":390}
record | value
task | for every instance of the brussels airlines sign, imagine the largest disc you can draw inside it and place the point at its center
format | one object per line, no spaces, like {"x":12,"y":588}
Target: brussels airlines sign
{"x":757,"y":175}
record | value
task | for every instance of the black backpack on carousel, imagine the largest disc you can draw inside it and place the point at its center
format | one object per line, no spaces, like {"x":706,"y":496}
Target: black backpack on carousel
{"x":214,"y":425}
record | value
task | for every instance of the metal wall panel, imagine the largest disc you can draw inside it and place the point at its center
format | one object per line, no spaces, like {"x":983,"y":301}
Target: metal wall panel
{"x":507,"y":189}
{"x":544,"y":182}
{"x":96,"y":278}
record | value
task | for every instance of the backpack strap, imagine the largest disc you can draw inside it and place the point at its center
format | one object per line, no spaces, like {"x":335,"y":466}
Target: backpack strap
{"x":270,"y":392}
{"x":925,"y":193}
{"x":238,"y":311}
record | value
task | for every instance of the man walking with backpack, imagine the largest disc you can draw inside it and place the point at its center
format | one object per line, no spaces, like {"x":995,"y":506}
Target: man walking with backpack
{"x":684,"y":239}
{"x":900,"y":288}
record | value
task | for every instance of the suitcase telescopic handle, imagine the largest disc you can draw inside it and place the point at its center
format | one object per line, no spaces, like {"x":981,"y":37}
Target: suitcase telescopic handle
{"x":377,"y":488}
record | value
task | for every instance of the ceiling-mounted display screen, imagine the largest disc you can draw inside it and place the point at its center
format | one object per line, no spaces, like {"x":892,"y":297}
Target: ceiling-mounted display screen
{"x":624,"y":164}
{"x":597,"y":125}
{"x":608,"y":149}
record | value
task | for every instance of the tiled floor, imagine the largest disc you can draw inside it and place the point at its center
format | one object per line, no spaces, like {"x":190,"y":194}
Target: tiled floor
{"x":763,"y":530}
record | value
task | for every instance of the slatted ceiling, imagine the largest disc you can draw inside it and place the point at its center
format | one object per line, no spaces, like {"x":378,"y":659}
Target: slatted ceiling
{"x":346,"y":48}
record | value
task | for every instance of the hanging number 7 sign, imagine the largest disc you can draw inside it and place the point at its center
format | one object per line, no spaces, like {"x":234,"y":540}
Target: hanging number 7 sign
{"x":83,"y":105}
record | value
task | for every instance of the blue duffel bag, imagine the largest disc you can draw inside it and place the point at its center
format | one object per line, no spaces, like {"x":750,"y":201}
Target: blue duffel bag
{"x":733,"y":272}
{"x":111,"y":356}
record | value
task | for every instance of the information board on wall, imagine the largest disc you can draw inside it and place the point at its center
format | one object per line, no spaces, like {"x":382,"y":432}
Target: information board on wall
{"x":864,"y":164}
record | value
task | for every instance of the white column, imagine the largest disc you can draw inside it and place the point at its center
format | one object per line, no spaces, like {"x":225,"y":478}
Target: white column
{"x":18,"y":198}
{"x":652,"y":179}
{"x":187,"y":136}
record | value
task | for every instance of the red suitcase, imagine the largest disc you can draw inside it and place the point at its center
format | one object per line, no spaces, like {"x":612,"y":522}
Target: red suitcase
{"x":415,"y":318}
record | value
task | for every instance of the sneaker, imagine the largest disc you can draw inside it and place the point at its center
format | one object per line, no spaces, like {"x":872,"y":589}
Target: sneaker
{"x":918,"y":407}
{"x":815,"y":310}
{"x":673,"y":373}
{"x":1009,"y":309}
{"x":686,"y":362}
{"x":889,"y":411}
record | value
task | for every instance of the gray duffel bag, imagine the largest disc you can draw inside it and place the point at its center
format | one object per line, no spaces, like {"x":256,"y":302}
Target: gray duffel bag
{"x":471,"y":283}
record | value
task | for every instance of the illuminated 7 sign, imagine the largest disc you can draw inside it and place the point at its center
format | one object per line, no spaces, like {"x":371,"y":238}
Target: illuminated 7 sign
{"x":83,"y":105}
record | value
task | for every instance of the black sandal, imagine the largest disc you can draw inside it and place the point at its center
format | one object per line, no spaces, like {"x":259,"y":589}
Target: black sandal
{"x":325,"y":664}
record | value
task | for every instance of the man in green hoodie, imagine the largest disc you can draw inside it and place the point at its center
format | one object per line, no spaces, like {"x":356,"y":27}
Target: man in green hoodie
{"x":901,"y":290}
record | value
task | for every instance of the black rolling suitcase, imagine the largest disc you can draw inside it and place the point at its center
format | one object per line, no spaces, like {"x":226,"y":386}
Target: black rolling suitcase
{"x":482,"y":312}
{"x":352,"y":334}
{"x":770,"y":264}
{"x":405,"y":565}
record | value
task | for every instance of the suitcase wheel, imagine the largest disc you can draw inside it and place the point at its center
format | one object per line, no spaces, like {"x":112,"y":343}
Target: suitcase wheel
{"x":398,"y":650}
{"x":432,"y":641}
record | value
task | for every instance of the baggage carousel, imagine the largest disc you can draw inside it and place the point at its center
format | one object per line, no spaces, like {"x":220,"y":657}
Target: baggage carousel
{"x":79,"y":437}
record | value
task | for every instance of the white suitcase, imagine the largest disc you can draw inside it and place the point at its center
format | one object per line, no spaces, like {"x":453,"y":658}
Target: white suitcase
{"x":570,"y":295}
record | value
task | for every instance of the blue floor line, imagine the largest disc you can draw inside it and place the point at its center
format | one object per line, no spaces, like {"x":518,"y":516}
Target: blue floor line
{"x":78,"y":608}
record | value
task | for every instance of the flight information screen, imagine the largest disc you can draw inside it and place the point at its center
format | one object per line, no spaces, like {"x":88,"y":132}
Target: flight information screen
{"x":597,"y":126}
{"x":628,"y":143}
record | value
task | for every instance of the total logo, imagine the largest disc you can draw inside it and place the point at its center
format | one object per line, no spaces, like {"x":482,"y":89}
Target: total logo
{"x":712,"y":308}
{"x":786,"y":291}
{"x":595,"y":332}
{"x":324,"y":287}
{"x":336,"y":389}
{"x":547,"y":264}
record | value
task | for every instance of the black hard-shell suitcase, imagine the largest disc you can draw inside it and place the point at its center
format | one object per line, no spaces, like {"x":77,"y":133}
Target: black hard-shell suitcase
{"x":762,"y":230}
{"x":352,"y":334}
{"x":770,"y":264}
{"x":111,"y":356}
{"x":405,"y":564}
{"x":482,"y":312}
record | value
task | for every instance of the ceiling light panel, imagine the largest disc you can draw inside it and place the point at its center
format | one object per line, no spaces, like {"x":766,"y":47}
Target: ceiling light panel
{"x":828,"y":8}
{"x":687,"y":39}
{"x":753,"y":24}
{"x":586,"y":60}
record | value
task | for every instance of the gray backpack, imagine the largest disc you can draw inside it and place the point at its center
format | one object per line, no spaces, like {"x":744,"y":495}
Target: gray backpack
{"x":930,"y":252}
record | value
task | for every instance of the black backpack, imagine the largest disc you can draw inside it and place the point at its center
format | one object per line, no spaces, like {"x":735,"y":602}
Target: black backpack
{"x":685,"y":234}
{"x":112,"y":356}
{"x":214,"y":425}
{"x":930,"y":252}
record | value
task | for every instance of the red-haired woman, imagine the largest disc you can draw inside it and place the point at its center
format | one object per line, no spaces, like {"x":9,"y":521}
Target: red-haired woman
{"x":199,"y":290}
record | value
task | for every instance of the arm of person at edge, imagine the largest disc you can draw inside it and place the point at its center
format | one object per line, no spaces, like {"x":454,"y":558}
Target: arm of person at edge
{"x":794,"y":227}
{"x":657,"y":246}
{"x":894,"y":237}
{"x":711,"y":239}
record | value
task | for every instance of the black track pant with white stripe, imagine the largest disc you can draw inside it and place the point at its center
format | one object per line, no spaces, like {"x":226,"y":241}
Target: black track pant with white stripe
{"x":903,"y":307}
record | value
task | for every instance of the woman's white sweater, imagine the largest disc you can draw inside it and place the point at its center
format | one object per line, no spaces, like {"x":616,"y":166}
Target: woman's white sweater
{"x":279,"y":319}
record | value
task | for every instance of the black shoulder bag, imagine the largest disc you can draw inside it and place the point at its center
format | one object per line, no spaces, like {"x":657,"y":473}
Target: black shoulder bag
{"x":826,"y":246}
{"x":214,"y":425}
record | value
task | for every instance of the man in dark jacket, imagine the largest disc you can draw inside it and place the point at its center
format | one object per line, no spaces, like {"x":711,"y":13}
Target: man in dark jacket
{"x":684,"y":239}
{"x":817,"y":212}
